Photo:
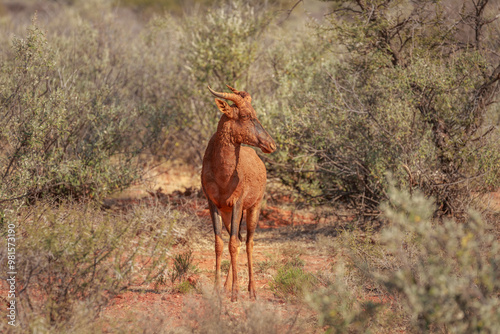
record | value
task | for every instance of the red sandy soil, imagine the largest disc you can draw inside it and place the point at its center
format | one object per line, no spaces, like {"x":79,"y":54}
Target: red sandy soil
{"x":268,"y":246}
{"x":172,"y":304}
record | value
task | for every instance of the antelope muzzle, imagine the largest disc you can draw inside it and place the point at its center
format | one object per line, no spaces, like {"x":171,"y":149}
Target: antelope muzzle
{"x":265,"y":141}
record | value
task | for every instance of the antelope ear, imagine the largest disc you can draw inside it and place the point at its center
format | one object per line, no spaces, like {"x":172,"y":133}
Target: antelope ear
{"x":225,"y":108}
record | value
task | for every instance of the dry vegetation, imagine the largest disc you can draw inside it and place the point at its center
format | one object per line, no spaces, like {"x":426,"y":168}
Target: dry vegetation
{"x":381,"y":214}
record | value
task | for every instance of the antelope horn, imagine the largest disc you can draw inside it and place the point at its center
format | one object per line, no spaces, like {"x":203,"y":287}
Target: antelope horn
{"x":233,"y":90}
{"x":227,"y":96}
{"x":244,"y":95}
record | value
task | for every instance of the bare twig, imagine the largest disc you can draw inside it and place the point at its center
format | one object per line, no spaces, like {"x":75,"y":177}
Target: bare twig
{"x":289,"y":12}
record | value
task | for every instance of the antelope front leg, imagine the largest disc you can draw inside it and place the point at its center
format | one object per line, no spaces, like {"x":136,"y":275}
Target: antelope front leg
{"x":219,"y":243}
{"x":229,"y":278}
{"x":234,"y":245}
{"x":252,"y":219}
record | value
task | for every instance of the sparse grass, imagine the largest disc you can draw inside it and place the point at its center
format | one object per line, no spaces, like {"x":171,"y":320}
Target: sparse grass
{"x":74,"y":255}
{"x":184,"y":287}
{"x":295,"y":262}
{"x":224,"y":266}
{"x":182,"y":263}
{"x":271,"y":263}
{"x":161,"y":280}
{"x":214,"y":315}
{"x":292,"y":251}
{"x":341,"y":307}
{"x":292,"y":281}
{"x":263,"y":266}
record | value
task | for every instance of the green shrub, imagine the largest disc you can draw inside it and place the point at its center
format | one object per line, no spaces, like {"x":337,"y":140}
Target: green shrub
{"x":224,"y":266}
{"x":182,"y":263}
{"x":341,"y":307}
{"x":82,"y":94}
{"x":448,"y":275}
{"x":390,"y":88}
{"x":292,"y":281}
{"x":63,"y":134}
{"x":223,"y":46}
{"x":441,"y":275}
{"x":75,"y":257}
{"x":184,"y":287}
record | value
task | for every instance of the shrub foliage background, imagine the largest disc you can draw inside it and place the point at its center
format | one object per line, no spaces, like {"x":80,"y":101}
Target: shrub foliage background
{"x":413,"y":92}
{"x":372,"y":87}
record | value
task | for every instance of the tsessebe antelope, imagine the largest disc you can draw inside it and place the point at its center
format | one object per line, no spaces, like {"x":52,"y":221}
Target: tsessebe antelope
{"x":233,"y":179}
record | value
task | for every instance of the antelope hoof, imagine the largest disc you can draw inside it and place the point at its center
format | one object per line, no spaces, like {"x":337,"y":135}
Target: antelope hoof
{"x":234,"y":296}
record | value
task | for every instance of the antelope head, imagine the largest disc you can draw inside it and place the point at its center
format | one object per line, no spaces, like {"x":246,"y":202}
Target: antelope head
{"x":240,"y":121}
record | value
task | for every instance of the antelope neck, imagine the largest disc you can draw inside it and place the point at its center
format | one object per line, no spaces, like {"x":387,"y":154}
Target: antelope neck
{"x":226,"y":155}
